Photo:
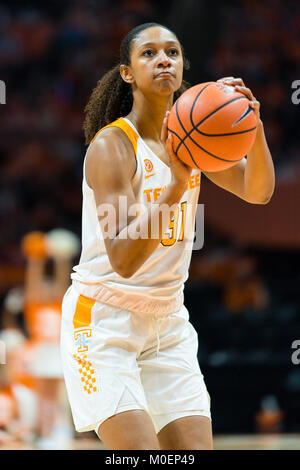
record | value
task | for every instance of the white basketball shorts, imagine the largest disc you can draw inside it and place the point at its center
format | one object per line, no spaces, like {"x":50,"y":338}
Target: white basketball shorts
{"x":115,"y":360}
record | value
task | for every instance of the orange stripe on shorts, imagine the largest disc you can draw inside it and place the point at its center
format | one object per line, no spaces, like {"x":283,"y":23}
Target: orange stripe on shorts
{"x":83,"y":311}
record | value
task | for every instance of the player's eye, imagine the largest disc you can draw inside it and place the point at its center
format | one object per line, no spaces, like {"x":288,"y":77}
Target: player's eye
{"x":173,"y":51}
{"x":148,"y":53}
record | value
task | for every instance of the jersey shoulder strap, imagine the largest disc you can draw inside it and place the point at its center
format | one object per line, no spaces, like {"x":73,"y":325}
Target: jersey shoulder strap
{"x":129,"y":131}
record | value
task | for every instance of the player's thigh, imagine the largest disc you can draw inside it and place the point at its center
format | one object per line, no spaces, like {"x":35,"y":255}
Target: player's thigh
{"x":171,"y":377}
{"x":129,"y":430}
{"x":190,"y":433}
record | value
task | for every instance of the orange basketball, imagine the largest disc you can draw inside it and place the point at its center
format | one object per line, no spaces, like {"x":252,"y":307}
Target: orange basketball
{"x":213,"y":126}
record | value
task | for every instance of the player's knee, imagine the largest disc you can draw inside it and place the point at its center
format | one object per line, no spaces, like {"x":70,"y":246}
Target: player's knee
{"x":131,"y":443}
{"x":143,"y":445}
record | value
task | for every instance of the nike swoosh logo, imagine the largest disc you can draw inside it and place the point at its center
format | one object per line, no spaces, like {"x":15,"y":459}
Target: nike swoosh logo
{"x":245,"y":113}
{"x":148,"y":176}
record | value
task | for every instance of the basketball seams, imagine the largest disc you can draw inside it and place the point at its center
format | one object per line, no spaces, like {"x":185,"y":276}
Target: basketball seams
{"x":195,"y":127}
{"x":188,"y":134}
{"x":203,"y":149}
{"x":195,"y":100}
{"x":224,"y":135}
{"x":216,"y":110}
{"x":212,"y":155}
{"x":244,"y":114}
{"x":172,"y":132}
{"x":196,"y":143}
{"x":182,"y":141}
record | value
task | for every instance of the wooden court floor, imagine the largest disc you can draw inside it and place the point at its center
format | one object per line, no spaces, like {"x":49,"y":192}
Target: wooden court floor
{"x":228,"y":442}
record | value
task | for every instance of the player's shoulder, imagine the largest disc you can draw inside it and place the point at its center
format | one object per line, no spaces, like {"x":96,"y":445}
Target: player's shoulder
{"x":110,"y":150}
{"x":112,"y":142}
{"x":111,"y":137}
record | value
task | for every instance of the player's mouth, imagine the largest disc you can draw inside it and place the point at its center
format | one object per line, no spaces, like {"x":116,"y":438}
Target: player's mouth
{"x":165,"y":74}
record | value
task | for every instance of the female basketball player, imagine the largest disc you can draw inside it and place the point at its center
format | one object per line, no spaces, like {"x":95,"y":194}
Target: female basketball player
{"x":129,"y":352}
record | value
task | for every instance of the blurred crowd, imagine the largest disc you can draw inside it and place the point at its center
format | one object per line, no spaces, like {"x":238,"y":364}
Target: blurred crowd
{"x":259,"y":41}
{"x":33,"y":403}
{"x":51,"y":57}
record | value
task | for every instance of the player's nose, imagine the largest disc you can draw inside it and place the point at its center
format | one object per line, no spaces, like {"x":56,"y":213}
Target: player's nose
{"x":163,"y":60}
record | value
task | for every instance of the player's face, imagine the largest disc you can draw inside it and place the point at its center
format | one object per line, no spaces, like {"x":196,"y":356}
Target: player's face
{"x":156,"y":61}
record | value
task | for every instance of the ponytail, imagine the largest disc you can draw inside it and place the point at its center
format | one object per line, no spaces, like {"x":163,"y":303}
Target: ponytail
{"x":109,"y":100}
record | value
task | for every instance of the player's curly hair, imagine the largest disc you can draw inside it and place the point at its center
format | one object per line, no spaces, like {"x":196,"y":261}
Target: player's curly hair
{"x":112,"y":97}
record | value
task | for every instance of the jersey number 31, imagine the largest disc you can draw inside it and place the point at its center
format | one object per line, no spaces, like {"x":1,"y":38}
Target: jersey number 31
{"x":173,"y":227}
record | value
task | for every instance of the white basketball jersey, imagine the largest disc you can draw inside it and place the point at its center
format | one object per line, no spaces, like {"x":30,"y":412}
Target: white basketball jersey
{"x":157,"y":286}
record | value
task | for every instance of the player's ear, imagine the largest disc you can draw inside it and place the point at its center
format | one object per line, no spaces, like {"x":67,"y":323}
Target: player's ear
{"x":126,"y":73}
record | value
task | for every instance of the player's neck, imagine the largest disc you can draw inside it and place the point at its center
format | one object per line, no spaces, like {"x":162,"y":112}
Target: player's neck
{"x":148,"y":114}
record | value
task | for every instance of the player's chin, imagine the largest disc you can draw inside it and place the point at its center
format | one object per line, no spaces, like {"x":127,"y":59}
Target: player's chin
{"x":165,"y":87}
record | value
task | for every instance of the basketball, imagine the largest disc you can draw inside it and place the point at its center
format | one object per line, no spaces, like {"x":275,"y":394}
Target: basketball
{"x":212,"y":125}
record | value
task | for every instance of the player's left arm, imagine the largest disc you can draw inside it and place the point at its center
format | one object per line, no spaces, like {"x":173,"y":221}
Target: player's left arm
{"x":253,"y":178}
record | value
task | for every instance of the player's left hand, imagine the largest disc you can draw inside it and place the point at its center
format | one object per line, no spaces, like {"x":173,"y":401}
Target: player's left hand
{"x":239,"y":86}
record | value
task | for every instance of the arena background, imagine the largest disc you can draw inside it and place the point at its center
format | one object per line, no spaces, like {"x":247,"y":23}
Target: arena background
{"x":243,"y":289}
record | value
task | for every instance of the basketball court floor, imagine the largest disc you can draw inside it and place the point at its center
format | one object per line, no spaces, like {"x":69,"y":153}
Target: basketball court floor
{"x":228,"y":442}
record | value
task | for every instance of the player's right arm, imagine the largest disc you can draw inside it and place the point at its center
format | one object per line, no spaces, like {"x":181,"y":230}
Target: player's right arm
{"x":109,"y":168}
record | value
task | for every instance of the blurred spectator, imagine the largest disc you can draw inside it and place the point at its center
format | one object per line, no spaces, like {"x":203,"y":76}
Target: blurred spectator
{"x":269,"y":419}
{"x":33,"y":381}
